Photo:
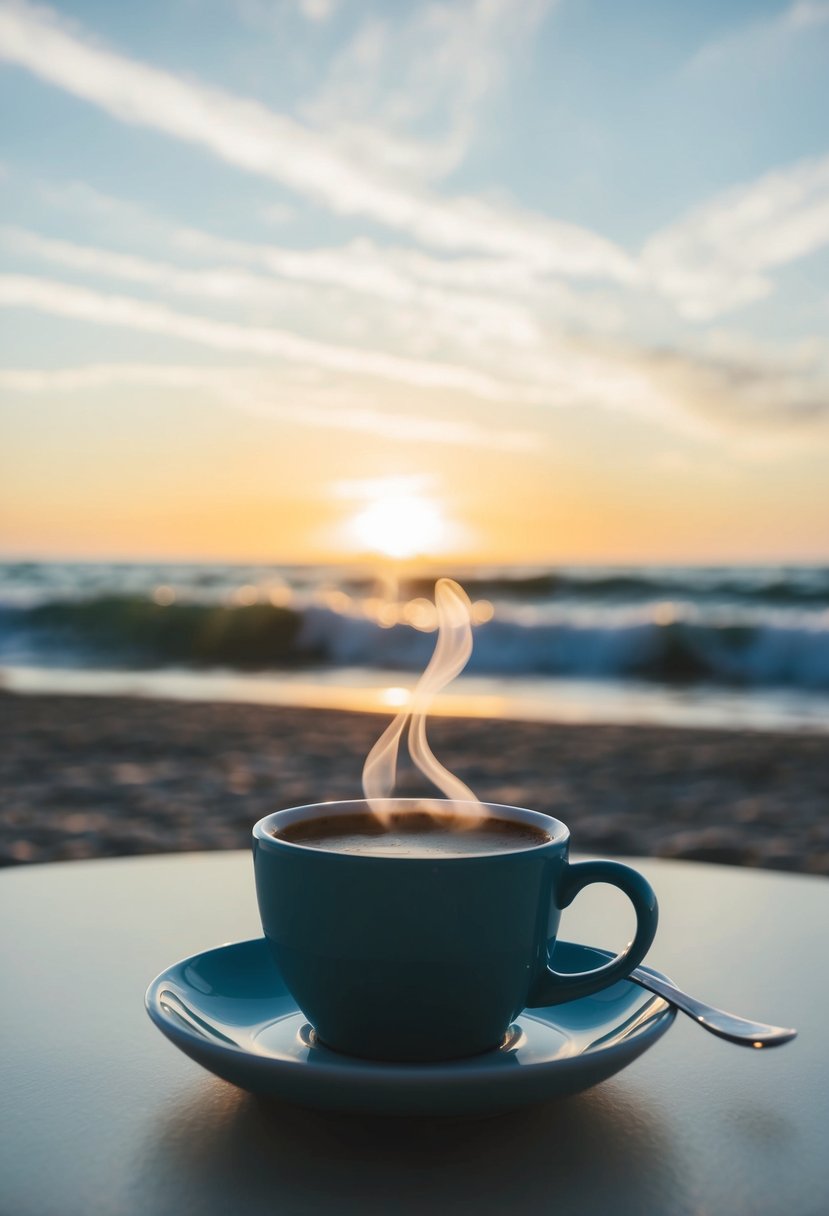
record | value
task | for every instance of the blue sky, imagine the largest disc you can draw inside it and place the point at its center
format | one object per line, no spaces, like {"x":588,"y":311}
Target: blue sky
{"x":429,"y":228}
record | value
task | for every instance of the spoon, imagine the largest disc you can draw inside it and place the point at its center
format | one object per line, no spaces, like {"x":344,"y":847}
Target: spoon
{"x":725,"y":1025}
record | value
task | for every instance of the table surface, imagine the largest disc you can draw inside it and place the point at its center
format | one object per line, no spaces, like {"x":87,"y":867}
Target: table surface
{"x":101,"y":1114}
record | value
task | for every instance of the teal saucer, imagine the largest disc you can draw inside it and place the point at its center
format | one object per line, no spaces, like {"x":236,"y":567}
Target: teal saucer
{"x":229,"y":1010}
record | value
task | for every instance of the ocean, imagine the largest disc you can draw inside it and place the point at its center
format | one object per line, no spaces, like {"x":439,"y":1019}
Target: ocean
{"x":740,"y":646}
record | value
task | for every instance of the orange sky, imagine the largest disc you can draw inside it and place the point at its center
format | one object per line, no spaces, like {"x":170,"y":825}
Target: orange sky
{"x":175,"y":477}
{"x":470,"y":276}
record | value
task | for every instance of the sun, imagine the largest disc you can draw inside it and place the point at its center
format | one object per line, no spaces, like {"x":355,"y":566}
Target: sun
{"x":400,"y":525}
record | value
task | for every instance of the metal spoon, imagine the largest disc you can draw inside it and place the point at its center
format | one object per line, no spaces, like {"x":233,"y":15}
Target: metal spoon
{"x":726,"y":1025}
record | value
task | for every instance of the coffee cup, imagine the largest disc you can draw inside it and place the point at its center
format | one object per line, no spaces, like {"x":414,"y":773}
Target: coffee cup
{"x":422,"y":937}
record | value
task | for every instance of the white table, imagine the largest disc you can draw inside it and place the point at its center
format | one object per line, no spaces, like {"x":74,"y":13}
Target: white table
{"x":99,"y":1114}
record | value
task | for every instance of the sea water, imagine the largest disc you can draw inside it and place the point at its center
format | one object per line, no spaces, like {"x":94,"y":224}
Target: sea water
{"x":714,"y":646}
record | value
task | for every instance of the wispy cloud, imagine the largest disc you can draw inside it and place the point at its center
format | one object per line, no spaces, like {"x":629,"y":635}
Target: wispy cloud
{"x":317,"y":10}
{"x":246,"y":134}
{"x":482,"y":293}
{"x":223,"y":283}
{"x":407,"y":90}
{"x":554,"y":371}
{"x":125,"y":312}
{"x":463,"y":301}
{"x":761,"y":41}
{"x":754,"y":396}
{"x":269,"y":16}
{"x":714,"y":259}
{"x":705,"y":393}
{"x":303,"y":401}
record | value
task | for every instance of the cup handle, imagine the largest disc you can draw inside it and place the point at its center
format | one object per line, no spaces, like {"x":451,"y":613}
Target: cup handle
{"x":553,"y":987}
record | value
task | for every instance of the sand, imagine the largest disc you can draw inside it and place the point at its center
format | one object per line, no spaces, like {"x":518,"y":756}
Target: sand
{"x":108,"y":776}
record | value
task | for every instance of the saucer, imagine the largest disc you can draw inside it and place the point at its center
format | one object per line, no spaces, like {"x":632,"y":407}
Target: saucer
{"x":229,"y":1010}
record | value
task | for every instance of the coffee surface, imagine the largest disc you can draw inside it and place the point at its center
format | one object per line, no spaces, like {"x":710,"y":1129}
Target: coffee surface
{"x":413,"y":834}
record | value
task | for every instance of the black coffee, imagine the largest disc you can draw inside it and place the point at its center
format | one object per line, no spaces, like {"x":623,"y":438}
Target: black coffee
{"x":413,"y":834}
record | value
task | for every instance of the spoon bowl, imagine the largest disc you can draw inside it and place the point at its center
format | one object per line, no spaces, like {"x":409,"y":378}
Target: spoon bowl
{"x":728,"y":1026}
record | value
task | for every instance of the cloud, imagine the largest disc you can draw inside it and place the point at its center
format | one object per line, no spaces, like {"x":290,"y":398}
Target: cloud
{"x":246,"y":134}
{"x":710,"y":392}
{"x":125,"y":312}
{"x":278,"y":213}
{"x":714,"y":259}
{"x":462,"y":300}
{"x":301,"y":400}
{"x":317,"y":10}
{"x":406,"y":91}
{"x":222,"y":283}
{"x":755,"y":395}
{"x":480,"y":295}
{"x":760,"y":44}
{"x":555,"y":371}
{"x":269,"y":16}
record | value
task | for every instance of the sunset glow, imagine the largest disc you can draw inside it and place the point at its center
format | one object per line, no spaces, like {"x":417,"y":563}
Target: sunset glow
{"x":244,"y":259}
{"x":400,"y":526}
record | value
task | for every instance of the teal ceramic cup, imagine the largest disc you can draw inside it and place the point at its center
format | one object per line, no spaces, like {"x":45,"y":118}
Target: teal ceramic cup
{"x":428,"y":959}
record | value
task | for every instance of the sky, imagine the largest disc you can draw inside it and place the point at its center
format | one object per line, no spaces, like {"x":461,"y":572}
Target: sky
{"x":303,"y":279}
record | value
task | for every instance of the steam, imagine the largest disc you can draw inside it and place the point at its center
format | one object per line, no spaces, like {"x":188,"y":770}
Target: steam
{"x":451,"y":654}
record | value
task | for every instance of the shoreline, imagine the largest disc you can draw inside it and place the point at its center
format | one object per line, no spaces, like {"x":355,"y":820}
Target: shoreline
{"x":554,"y":700}
{"x":103,"y":776}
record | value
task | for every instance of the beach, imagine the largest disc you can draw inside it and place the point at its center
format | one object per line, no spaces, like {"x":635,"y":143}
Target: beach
{"x":88,"y":776}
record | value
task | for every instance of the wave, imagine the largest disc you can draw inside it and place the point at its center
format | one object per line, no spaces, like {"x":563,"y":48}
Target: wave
{"x":802,"y":586}
{"x":135,"y":631}
{"x":26,"y":584}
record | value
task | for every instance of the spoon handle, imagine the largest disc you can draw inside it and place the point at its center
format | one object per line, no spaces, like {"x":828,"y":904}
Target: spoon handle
{"x":726,"y":1025}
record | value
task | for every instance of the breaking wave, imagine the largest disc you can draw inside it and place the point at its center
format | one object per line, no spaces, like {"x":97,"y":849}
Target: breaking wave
{"x":760,"y":648}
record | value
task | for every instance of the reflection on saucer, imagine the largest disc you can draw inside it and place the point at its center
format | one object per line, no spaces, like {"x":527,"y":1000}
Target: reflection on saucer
{"x":229,"y":1010}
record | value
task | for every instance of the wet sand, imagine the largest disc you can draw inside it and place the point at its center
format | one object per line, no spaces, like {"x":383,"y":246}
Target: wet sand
{"x":109,"y":776}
